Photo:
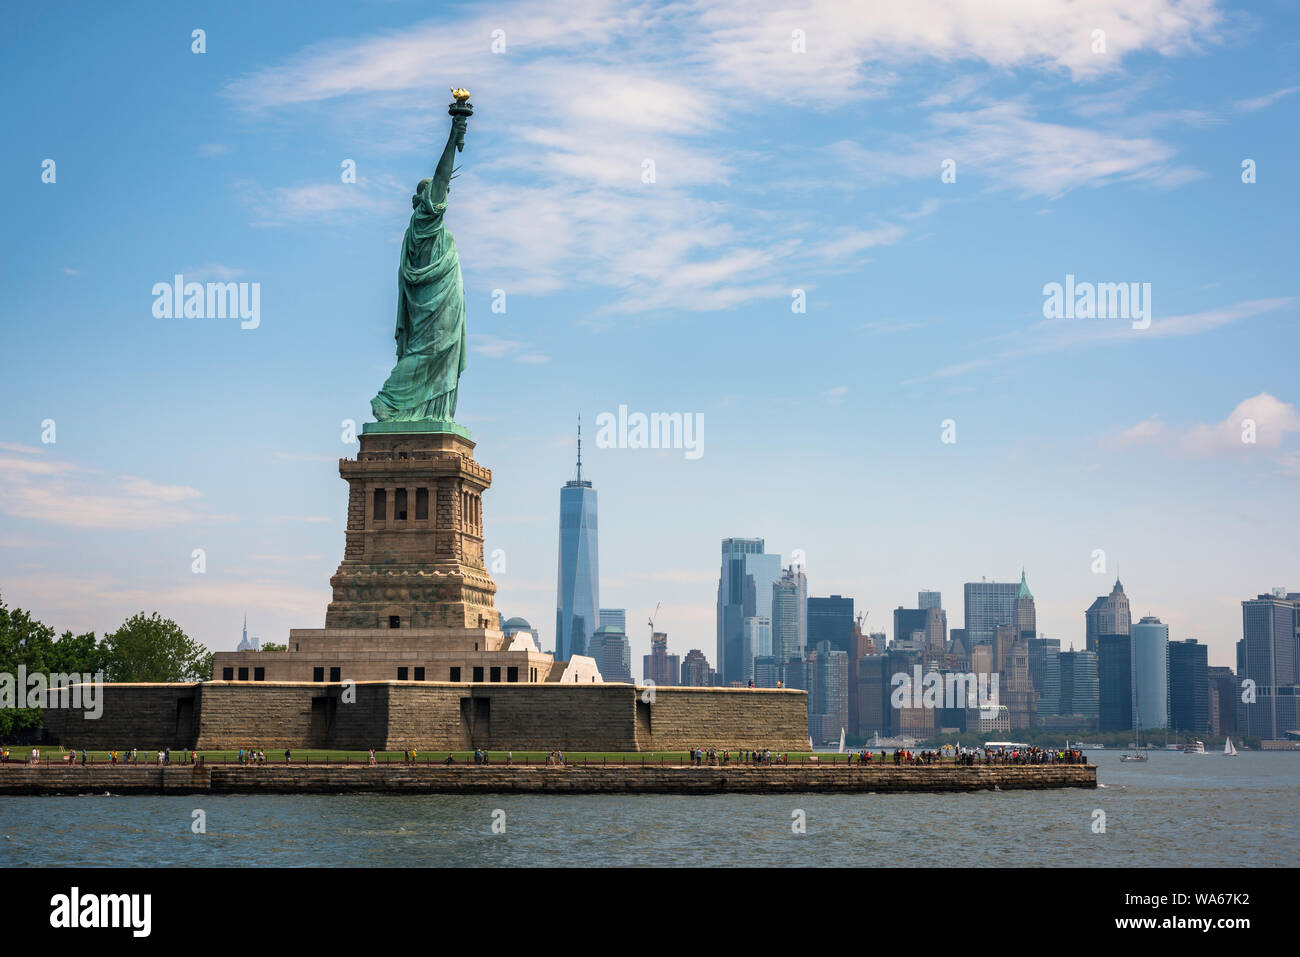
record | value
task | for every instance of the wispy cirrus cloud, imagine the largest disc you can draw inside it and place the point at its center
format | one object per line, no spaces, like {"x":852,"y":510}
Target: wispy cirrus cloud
{"x":588,"y":100}
{"x":1056,"y":335}
{"x":57,"y":492}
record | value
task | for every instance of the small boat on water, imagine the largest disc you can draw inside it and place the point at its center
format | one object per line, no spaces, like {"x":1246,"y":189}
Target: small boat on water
{"x":1228,"y":749}
{"x":1196,"y":747}
{"x":1140,"y":752}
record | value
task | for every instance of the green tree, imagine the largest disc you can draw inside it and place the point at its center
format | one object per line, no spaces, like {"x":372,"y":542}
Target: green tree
{"x":26,"y":642}
{"x":23,"y":641}
{"x":155,"y":649}
{"x":273,"y":646}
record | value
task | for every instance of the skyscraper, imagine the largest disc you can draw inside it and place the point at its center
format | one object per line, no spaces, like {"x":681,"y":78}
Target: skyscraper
{"x":1045,"y":673}
{"x":1224,"y":689}
{"x":757,"y":644}
{"x":928,"y":623}
{"x":789,"y":615}
{"x":1080,"y":686}
{"x":828,"y":698}
{"x":1267,"y":655}
{"x":1189,"y":687}
{"x":1115,"y":682}
{"x":696,"y":672}
{"x":1108,"y":615}
{"x":615,"y":659}
{"x":1150,"y":649}
{"x":615,"y":617}
{"x":660,"y":667}
{"x":989,"y":604}
{"x":578,"y":589}
{"x":744,"y":591}
{"x":1026,"y":620}
{"x":831,"y":620}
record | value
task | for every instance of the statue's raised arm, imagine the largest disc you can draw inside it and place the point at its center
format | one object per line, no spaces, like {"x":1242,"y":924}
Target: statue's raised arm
{"x":460,"y":111}
{"x":442,"y":174}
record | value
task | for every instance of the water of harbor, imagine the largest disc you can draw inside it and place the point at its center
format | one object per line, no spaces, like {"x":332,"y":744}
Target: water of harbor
{"x":1175,"y":810}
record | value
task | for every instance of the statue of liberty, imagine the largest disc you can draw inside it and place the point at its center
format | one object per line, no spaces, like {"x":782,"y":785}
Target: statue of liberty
{"x":430,"y":300}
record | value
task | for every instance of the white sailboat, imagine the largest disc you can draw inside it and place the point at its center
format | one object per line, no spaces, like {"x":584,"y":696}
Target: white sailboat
{"x":1228,"y":749}
{"x":1140,"y":752}
{"x":841,"y":740}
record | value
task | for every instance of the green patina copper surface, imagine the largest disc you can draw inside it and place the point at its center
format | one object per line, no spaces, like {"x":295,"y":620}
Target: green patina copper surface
{"x":416,"y":425}
{"x":430,"y":309}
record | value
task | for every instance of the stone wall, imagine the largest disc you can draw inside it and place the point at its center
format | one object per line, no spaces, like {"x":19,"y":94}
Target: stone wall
{"x":733,"y":718}
{"x":134,"y":716}
{"x":390,"y":715}
{"x":276,"y":716}
{"x":629,"y":778}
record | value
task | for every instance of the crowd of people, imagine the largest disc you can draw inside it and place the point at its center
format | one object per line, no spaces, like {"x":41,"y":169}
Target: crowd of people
{"x":698,"y":757}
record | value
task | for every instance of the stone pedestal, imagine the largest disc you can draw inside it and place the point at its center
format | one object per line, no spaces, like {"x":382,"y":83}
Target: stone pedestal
{"x":413,"y":556}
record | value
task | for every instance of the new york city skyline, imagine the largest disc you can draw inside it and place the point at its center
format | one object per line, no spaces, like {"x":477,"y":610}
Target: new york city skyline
{"x":781,"y":172}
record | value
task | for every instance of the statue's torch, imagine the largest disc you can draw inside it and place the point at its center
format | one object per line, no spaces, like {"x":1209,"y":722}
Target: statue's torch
{"x":461,"y":106}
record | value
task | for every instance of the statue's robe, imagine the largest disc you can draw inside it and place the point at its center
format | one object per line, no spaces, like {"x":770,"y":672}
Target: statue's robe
{"x":430,"y":320}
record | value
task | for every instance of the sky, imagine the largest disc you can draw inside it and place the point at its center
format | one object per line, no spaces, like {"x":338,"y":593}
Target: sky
{"x":823,"y":227}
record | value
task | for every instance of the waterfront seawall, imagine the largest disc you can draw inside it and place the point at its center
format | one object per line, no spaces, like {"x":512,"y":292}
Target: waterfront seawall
{"x":534,"y":779}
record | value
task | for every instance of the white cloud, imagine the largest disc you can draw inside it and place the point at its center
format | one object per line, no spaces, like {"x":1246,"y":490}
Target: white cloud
{"x":614,"y":83}
{"x":1264,"y":416}
{"x":1261,"y":422}
{"x":1267,"y":100}
{"x":1005,"y":146}
{"x":62,"y":493}
{"x":1057,"y":335}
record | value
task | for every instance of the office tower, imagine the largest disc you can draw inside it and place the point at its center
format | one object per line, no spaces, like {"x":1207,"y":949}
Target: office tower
{"x":828,"y":699}
{"x":873,"y":695}
{"x":744,"y":591}
{"x":615,"y":654}
{"x":1080,"y":684}
{"x":1224,"y":692}
{"x":246,"y":643}
{"x":933,"y":599}
{"x":925,"y":625}
{"x":1045,"y":673}
{"x":989,"y":604}
{"x":861,"y":646}
{"x":1026,"y":620}
{"x":757,"y":644}
{"x":1115,"y":682}
{"x":1267,"y":655}
{"x":696,"y":672}
{"x":790,"y":615}
{"x":578,"y":598}
{"x":904,"y":719}
{"x":1189,"y":687}
{"x":659,"y":666}
{"x":767,"y":672}
{"x":831,"y":620}
{"x":1015,"y":690}
{"x":614,"y":617}
{"x":958,"y":651}
{"x":1108,"y":615}
{"x":1004,"y":636}
{"x":1150,"y":649}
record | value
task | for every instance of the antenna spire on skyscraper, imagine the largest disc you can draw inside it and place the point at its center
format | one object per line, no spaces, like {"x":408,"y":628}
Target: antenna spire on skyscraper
{"x":579,"y":446}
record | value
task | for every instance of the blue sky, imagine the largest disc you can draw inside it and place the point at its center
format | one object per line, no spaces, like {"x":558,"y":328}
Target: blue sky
{"x":775,"y":170}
